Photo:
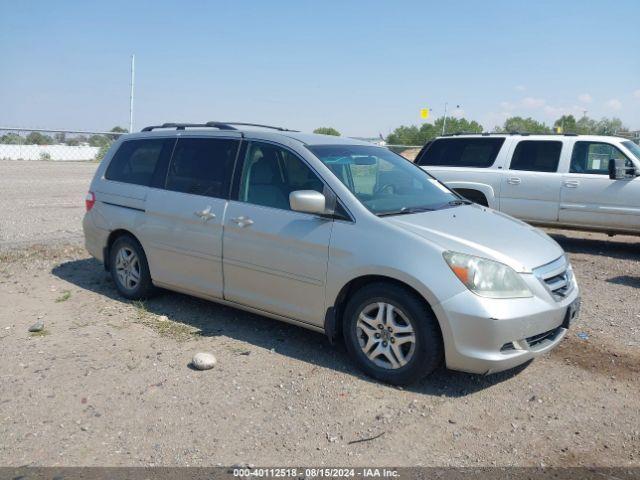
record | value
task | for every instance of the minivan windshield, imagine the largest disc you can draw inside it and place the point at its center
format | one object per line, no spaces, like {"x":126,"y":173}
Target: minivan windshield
{"x":385,"y":183}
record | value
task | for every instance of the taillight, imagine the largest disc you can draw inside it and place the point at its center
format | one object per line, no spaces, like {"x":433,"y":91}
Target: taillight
{"x":89,"y":201}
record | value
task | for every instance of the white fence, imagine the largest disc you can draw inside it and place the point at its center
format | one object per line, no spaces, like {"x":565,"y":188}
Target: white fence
{"x":59,"y":153}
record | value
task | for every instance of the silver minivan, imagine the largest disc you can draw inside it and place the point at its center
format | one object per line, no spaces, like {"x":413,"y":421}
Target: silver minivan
{"x":332,"y":234}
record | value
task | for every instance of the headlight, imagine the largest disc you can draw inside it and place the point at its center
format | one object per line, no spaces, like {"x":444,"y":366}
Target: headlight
{"x":486,"y":277}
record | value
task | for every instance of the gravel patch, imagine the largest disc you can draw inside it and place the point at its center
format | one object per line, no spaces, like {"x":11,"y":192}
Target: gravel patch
{"x":108,"y":383}
{"x":42,"y":201}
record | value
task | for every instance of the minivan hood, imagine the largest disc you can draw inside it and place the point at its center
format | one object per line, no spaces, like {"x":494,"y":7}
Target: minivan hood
{"x":483,"y":232}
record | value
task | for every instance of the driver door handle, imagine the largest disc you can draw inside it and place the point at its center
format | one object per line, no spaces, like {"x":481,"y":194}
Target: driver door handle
{"x":205,"y":214}
{"x":242,"y":221}
{"x":514,"y":180}
{"x":571,"y":183}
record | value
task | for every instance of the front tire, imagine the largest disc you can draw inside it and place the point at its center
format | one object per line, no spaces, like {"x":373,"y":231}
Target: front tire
{"x":129,"y":269}
{"x":391,"y":334}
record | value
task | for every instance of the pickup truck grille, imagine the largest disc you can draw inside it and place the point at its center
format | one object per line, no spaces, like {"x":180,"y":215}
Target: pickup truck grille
{"x":557,"y":277}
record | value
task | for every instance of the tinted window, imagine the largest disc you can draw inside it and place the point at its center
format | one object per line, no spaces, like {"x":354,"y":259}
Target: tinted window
{"x":385,"y":183}
{"x":136,"y":160}
{"x":202,"y":166}
{"x":536,"y":156}
{"x":461,"y":152}
{"x":593,"y":158}
{"x":270,"y":173}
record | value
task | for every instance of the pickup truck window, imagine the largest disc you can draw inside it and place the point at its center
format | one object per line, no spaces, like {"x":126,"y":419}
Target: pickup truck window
{"x":536,"y":156}
{"x":461,"y":152}
{"x":593,"y":157}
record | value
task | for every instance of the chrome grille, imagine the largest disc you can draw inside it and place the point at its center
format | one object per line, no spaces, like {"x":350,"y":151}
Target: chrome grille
{"x":557,"y":277}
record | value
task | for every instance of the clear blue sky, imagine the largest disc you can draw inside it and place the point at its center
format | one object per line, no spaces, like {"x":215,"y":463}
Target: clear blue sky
{"x":362,"y":67}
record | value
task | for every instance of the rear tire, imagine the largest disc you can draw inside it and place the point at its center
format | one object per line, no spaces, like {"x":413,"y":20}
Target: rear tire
{"x":391,"y":334}
{"x":129,"y":269}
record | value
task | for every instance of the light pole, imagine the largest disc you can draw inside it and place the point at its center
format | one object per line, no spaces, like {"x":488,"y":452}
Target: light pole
{"x":444,"y":123}
{"x":133,"y":66}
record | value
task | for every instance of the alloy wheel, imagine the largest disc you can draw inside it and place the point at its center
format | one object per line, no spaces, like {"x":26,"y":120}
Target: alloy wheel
{"x":386,"y":335}
{"x":128,"y":268}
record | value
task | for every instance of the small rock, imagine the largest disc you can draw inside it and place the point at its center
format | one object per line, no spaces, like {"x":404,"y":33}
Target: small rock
{"x":203,"y":361}
{"x":37,"y":327}
{"x":452,"y":422}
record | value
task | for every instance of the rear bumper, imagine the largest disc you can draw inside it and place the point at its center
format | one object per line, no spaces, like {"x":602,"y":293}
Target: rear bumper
{"x":491,"y":335}
{"x":95,"y":238}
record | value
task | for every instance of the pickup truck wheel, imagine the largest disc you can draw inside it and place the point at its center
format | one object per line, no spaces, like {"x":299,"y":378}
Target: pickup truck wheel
{"x":391,"y":334}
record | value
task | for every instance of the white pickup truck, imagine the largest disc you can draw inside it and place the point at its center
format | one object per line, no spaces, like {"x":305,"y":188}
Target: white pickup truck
{"x":583,"y":182}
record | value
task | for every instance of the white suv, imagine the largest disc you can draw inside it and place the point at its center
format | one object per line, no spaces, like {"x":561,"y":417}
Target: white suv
{"x":332,"y":234}
{"x":572,"y":181}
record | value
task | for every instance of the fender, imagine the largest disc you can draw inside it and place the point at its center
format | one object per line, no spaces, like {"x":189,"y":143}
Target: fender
{"x":486,"y":189}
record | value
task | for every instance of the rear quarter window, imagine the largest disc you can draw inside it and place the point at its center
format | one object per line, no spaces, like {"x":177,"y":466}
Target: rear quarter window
{"x":461,"y":152}
{"x":536,"y":156}
{"x":136,"y":161}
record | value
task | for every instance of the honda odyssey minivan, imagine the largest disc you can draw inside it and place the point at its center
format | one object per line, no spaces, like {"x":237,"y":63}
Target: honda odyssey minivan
{"x":332,"y":234}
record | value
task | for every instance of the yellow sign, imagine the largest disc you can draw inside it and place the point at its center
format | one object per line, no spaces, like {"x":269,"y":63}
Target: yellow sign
{"x":424,"y":113}
{"x":559,"y":130}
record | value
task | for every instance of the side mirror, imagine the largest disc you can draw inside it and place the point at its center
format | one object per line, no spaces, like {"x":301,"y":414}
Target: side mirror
{"x":307,"y":201}
{"x":618,"y":169}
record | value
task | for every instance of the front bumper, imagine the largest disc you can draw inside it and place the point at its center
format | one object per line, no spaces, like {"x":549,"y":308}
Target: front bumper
{"x":484,"y":335}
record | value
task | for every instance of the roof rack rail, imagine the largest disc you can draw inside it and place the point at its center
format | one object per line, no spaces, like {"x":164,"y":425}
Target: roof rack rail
{"x":219,"y":125}
{"x":183,"y":126}
{"x":242,"y":124}
{"x":513,"y":132}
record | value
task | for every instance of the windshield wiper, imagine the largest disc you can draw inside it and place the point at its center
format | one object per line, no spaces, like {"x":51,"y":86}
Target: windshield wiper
{"x":455,"y":203}
{"x":406,"y":211}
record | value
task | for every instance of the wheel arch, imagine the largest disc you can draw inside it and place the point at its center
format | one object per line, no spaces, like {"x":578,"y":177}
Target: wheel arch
{"x":334,"y":316}
{"x":113,"y":236}
{"x":483,"y":189}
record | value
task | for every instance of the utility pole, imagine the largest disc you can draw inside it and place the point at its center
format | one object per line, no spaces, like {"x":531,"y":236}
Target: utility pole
{"x":444,"y":123}
{"x":133,"y":69}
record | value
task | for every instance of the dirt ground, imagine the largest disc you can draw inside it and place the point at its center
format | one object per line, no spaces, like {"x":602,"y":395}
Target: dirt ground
{"x":107,"y":383}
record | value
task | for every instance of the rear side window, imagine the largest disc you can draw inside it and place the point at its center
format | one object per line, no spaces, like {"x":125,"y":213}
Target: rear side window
{"x":136,"y":160}
{"x":536,"y":156}
{"x":461,"y":152}
{"x":202,"y":166}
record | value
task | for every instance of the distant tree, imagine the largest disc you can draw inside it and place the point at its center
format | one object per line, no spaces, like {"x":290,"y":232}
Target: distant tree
{"x":519,"y":124}
{"x":414,"y":135}
{"x":586,"y":126}
{"x":99,"y":140}
{"x":406,"y":135}
{"x":117,"y":129}
{"x":102,"y":152}
{"x":60,"y":137}
{"x":11,"y":138}
{"x":36,"y":138}
{"x":606,"y":126}
{"x":327,"y":131}
{"x":567,"y":123}
{"x":77,"y":140}
{"x":457,"y":125}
